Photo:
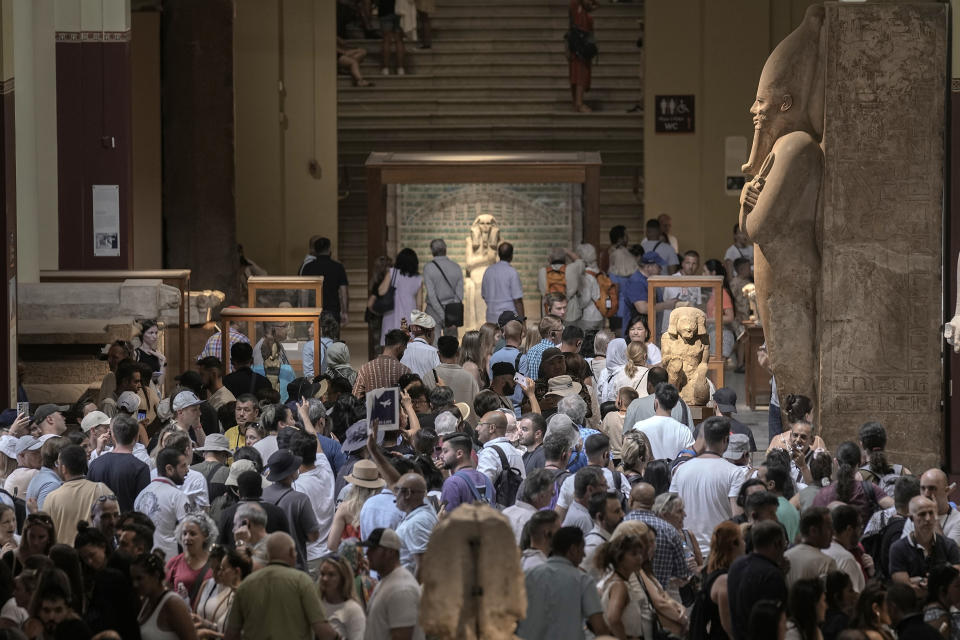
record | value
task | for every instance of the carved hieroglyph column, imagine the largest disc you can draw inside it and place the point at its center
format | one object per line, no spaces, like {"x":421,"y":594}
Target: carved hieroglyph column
{"x":880,"y":310}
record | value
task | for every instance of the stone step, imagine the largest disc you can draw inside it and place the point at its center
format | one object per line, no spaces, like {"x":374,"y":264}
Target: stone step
{"x":387,"y":105}
{"x":349,"y":96}
{"x":516,"y":10}
{"x":455,"y":47}
{"x":454,"y":74}
{"x":441,"y":118}
{"x":484,"y":22}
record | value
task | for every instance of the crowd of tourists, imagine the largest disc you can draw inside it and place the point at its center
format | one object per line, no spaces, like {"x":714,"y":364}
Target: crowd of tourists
{"x":242,"y":504}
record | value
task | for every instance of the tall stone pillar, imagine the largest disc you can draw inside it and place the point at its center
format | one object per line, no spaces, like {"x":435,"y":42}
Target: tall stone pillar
{"x":8,"y":212}
{"x":882,"y":233}
{"x":199,"y":211}
{"x":94,"y":141}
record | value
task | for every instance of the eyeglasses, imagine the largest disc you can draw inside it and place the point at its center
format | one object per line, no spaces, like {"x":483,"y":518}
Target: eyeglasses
{"x":39,"y":517}
{"x":106,"y":498}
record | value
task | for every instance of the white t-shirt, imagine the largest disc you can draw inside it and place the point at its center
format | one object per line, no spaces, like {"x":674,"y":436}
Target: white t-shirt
{"x":17,"y":482}
{"x":734,"y":252}
{"x":706,"y":485}
{"x":847,"y":563}
{"x":567,"y":489}
{"x":267,"y":447}
{"x":394,"y":604}
{"x":346,"y":618}
{"x":13,"y":612}
{"x":667,"y":436}
{"x":165,"y":504}
{"x":317,"y":484}
{"x":194,"y":487}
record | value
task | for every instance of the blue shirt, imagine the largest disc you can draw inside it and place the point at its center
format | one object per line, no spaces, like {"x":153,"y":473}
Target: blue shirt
{"x":534,"y":356}
{"x":43,"y":482}
{"x":499,"y":288}
{"x":578,"y":459}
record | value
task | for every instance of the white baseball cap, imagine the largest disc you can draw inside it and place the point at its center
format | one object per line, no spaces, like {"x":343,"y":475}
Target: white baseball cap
{"x":185,"y":399}
{"x":94,"y":419}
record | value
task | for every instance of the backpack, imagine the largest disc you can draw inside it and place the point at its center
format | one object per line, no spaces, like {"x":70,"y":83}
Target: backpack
{"x":479,"y":493}
{"x":508,"y":481}
{"x":557,"y":279}
{"x":700,"y":614}
{"x":609,"y":301}
{"x":874,"y":544}
{"x":886,"y":481}
{"x":558,"y":479}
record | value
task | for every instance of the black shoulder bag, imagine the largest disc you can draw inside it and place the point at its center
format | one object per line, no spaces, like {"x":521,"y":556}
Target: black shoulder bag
{"x":452,"y":311}
{"x":383,"y":305}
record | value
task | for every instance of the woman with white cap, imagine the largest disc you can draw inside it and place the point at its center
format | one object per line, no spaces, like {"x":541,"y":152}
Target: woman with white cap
{"x":365,"y":481}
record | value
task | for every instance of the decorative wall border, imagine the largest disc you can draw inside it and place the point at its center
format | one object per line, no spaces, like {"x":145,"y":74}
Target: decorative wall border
{"x":955,"y":84}
{"x":93,"y":36}
{"x":6,"y":86}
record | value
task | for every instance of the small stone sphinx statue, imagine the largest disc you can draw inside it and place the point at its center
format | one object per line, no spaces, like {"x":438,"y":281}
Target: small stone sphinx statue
{"x":779,"y":206}
{"x":686,"y":354}
{"x":481,"y":253}
{"x":473,"y":585}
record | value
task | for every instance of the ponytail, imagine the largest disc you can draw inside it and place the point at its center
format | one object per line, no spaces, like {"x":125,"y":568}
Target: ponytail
{"x":848,"y":457}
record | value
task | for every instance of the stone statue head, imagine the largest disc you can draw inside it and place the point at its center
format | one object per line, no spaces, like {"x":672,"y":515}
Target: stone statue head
{"x":484,"y":232}
{"x":689,"y":324}
{"x":790,"y":92}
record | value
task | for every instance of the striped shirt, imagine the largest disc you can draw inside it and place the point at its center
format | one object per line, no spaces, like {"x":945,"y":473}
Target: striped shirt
{"x":382,"y":371}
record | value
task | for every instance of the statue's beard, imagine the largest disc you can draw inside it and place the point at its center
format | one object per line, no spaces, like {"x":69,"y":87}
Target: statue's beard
{"x":763,"y":139}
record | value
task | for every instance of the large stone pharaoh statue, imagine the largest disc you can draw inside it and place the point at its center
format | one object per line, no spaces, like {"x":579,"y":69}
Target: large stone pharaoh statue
{"x":481,"y":253}
{"x":779,"y":206}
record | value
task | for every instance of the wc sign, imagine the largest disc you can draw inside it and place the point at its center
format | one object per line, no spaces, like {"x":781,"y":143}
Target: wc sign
{"x":674,"y":114}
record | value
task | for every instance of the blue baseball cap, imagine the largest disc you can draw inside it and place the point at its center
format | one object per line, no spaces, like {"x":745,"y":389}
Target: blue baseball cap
{"x":652,"y":257}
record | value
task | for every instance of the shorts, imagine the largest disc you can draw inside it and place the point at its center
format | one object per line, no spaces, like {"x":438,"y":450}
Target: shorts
{"x":390,"y":22}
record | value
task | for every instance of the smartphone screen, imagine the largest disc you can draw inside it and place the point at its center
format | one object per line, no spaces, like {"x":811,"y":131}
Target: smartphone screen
{"x":141,"y":415}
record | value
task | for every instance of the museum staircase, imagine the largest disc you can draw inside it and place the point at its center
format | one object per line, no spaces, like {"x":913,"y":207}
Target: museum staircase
{"x":494,"y":80}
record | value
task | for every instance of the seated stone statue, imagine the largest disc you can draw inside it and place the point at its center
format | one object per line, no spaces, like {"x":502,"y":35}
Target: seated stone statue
{"x":472,"y":582}
{"x":686,"y":354}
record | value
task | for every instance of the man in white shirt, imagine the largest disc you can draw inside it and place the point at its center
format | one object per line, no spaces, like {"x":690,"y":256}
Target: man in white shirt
{"x":653,"y":243}
{"x":741,"y":248}
{"x":492,"y":432}
{"x":597,"y":448}
{"x":846,"y":536}
{"x":421,"y":356}
{"x":394,"y":607}
{"x":163,"y":501}
{"x":587,"y":481}
{"x":667,"y":436}
{"x":443,"y":279}
{"x":316,"y":480}
{"x":500,"y":287}
{"x":193,"y":485}
{"x":643,"y":408}
{"x":708,"y":483}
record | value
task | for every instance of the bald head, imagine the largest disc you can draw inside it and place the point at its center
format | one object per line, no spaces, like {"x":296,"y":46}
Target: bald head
{"x":933,"y":486}
{"x":280,"y":548}
{"x":923,"y":512}
{"x":413,"y":481}
{"x":642,"y":496}
{"x":497,"y":422}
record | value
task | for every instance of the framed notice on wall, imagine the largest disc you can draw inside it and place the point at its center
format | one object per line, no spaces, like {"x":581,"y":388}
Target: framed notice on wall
{"x":106,"y":220}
